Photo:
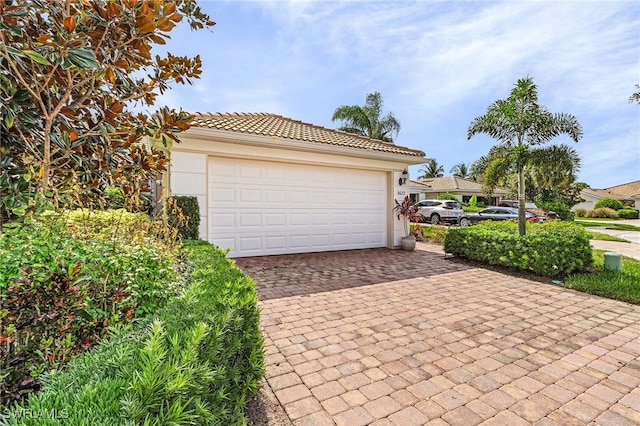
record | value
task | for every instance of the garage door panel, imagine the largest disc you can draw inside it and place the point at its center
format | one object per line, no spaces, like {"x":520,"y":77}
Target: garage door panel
{"x":276,"y":243}
{"x":273,"y":196}
{"x":246,"y":172}
{"x":259,"y":207}
{"x":250,"y":219}
{"x":299,"y":241}
{"x":299,"y":219}
{"x":276,"y":174}
{"x":250,"y":244}
{"x":276,"y":219}
{"x":299,"y":198}
{"x":250,"y":196}
{"x":222,"y":220}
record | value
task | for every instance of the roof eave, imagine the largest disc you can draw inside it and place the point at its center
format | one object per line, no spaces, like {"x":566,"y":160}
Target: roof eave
{"x":250,"y":139}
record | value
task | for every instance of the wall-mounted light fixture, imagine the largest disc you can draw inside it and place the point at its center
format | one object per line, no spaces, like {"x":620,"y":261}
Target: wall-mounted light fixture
{"x":403,"y":177}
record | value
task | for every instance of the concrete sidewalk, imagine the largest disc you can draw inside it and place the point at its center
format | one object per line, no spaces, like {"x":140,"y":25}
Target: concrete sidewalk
{"x":630,"y":249}
{"x":625,"y":249}
{"x":462,"y":346}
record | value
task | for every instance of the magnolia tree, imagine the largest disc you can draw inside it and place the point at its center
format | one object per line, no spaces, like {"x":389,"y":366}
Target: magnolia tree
{"x":70,"y":74}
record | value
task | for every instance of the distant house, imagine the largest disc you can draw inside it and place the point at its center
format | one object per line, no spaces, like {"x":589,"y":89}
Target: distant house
{"x":627,"y":193}
{"x":463,"y":189}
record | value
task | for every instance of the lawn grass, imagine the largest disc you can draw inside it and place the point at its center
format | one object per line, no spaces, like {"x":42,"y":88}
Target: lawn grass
{"x":606,"y":237}
{"x":608,"y":225}
{"x":623,"y":285}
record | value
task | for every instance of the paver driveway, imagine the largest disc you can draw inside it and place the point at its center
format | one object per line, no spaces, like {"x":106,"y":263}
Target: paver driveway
{"x":386,"y":337}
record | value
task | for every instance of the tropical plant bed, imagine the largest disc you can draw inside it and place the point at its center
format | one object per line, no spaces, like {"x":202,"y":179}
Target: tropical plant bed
{"x":196,"y":360}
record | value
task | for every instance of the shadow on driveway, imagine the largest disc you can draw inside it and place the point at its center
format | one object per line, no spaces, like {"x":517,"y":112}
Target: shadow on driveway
{"x":308,"y":273}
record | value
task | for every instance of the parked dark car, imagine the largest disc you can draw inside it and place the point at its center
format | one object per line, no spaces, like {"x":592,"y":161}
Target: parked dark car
{"x":531,"y":208}
{"x":495,"y":213}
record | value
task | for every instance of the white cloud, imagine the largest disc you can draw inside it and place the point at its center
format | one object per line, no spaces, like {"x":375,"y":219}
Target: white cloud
{"x":437,"y":65}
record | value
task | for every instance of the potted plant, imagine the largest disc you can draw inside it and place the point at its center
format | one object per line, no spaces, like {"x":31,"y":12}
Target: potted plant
{"x":408,"y":212}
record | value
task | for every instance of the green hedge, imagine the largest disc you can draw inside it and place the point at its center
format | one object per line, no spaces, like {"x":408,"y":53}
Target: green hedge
{"x":628,"y":213}
{"x":197,"y":363}
{"x":553,"y":248}
{"x":184,"y":215}
{"x":610,"y":203}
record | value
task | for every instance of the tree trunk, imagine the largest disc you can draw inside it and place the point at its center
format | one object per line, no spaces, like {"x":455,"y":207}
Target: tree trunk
{"x":522,"y":224}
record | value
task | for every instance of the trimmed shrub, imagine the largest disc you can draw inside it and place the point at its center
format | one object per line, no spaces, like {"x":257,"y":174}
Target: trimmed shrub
{"x":448,"y":196}
{"x":553,"y":248}
{"x":65,"y":280}
{"x":184,"y":215}
{"x":438,"y":234}
{"x":627,"y":213}
{"x":603,"y":212}
{"x":610,"y":203}
{"x":563,"y":210}
{"x":580,"y":212}
{"x":197,"y":363}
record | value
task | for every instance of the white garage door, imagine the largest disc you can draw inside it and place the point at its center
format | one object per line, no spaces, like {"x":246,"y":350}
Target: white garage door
{"x":260,"y":208}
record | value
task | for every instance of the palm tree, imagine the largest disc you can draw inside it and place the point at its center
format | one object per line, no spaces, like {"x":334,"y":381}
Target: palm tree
{"x":431,"y":169}
{"x":635,"y":97}
{"x":460,"y":170}
{"x":366,"y":120}
{"x":553,"y":170}
{"x":518,"y":123}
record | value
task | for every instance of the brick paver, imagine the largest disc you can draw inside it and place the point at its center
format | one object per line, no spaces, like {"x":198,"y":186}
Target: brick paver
{"x":386,"y":337}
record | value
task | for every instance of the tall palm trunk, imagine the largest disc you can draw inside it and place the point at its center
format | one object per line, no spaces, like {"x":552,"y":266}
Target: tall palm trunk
{"x":522,"y":225}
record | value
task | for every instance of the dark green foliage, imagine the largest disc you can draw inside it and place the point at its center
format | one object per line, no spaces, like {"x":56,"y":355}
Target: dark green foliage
{"x":64,"y":279}
{"x":197,"y":363}
{"x":114,"y":198}
{"x":552,"y":249}
{"x":580,"y":212}
{"x":628,"y":213}
{"x":563,"y":210}
{"x":610,"y":203}
{"x":184,"y":215}
{"x":447,"y":196}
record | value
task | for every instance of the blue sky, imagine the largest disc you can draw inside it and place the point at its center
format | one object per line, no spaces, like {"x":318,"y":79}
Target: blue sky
{"x":437,"y":64}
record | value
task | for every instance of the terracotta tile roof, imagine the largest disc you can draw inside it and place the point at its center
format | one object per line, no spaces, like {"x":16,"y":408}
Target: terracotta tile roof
{"x":625,"y":191}
{"x":274,"y":125}
{"x":456,"y":184}
{"x":631,"y":189}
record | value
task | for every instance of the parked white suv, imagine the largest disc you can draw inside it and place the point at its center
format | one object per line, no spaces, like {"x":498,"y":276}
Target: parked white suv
{"x":440,"y":211}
